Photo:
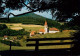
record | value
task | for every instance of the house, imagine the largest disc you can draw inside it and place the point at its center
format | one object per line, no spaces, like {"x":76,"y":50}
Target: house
{"x":32,"y":33}
{"x":41,"y":31}
{"x":5,"y":37}
{"x":53,"y":30}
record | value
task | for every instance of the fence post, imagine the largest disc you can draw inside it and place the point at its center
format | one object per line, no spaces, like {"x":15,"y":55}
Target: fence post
{"x":10,"y":45}
{"x":36,"y":47}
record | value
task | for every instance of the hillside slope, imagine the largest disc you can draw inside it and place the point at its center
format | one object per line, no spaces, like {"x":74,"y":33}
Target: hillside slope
{"x":32,"y":18}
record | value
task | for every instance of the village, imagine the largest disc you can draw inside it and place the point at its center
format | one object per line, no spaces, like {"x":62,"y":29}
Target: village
{"x":45,"y":30}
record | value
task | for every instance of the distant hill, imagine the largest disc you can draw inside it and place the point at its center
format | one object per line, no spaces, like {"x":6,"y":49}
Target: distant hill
{"x":32,"y":18}
{"x":33,"y":15}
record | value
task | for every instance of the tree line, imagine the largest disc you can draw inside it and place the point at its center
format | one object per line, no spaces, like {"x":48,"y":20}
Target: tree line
{"x":4,"y":30}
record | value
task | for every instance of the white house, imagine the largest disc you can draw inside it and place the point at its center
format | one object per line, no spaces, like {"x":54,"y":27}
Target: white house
{"x":53,"y":30}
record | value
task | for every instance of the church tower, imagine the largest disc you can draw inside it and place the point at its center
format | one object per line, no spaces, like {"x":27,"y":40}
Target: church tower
{"x":45,"y":27}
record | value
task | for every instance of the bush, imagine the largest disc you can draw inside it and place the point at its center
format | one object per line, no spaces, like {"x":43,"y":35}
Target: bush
{"x":10,"y":32}
{"x":3,"y":26}
{"x":12,"y":43}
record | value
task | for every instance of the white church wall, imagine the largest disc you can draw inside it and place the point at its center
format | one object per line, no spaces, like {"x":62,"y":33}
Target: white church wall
{"x":53,"y":31}
{"x":46,"y":29}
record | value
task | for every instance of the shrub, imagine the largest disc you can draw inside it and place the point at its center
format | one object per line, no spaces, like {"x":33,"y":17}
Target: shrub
{"x":3,"y":26}
{"x":8,"y":43}
{"x":10,"y":32}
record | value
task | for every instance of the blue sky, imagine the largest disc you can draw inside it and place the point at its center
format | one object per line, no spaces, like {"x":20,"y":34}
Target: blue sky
{"x":44,"y":14}
{"x":23,"y":10}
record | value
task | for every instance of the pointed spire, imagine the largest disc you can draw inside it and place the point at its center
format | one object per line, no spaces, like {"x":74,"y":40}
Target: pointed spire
{"x":45,"y":23}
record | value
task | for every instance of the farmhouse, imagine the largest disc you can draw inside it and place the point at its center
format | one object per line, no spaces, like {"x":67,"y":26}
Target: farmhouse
{"x":5,"y":37}
{"x":53,"y":30}
{"x":32,"y":33}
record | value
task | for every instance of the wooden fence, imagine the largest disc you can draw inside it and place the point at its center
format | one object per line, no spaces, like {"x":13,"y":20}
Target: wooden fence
{"x":37,"y":44}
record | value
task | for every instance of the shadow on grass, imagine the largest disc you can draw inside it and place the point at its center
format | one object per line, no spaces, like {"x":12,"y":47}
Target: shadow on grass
{"x":74,"y":51}
{"x":49,"y":52}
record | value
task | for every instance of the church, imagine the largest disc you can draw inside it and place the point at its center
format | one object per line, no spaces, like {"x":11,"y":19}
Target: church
{"x":47,"y":30}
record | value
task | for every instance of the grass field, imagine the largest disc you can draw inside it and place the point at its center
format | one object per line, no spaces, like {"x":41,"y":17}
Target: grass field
{"x":18,"y":26}
{"x":55,"y":35}
{"x":36,"y":28}
{"x":24,"y":47}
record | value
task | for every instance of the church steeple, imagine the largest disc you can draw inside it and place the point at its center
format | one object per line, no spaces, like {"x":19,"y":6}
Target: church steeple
{"x":45,"y":27}
{"x":45,"y":23}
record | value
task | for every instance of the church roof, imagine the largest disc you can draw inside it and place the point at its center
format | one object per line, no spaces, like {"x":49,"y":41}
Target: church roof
{"x":54,"y":29}
{"x":41,"y":30}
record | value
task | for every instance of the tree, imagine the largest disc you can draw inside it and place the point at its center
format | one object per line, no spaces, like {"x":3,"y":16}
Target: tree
{"x":64,"y":8}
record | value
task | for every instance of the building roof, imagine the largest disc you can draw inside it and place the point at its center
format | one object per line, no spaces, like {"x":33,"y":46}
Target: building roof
{"x":33,"y":33}
{"x":41,"y":30}
{"x":45,"y":23}
{"x":5,"y":36}
{"x":54,"y":29}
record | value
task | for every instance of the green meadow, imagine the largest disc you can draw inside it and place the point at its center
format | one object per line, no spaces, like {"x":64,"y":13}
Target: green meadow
{"x":29,"y":28}
{"x":55,"y":35}
{"x":48,"y":35}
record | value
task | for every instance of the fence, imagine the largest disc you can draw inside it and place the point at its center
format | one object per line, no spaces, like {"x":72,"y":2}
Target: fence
{"x":37,"y":44}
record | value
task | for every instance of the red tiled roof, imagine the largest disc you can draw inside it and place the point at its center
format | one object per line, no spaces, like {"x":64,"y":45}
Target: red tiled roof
{"x":41,"y":30}
{"x":54,"y":29}
{"x":5,"y":36}
{"x":33,"y":33}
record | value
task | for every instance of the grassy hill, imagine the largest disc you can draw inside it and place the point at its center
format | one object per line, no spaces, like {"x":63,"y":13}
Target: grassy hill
{"x":32,"y":15}
{"x":32,"y":18}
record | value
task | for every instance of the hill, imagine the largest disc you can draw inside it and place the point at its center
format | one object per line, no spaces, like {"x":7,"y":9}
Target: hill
{"x":32,"y":18}
{"x":32,"y":15}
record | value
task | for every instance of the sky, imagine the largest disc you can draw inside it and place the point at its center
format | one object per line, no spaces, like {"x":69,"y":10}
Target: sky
{"x":23,"y":10}
{"x":44,"y":14}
